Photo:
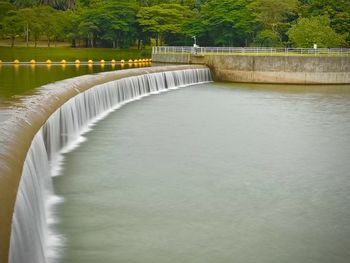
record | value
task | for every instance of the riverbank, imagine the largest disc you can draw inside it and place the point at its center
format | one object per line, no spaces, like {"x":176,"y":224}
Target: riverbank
{"x":8,"y":54}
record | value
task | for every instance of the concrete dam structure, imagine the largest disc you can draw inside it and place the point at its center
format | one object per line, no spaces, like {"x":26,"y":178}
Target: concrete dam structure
{"x":44,"y":126}
{"x":268,"y":68}
{"x":49,"y":123}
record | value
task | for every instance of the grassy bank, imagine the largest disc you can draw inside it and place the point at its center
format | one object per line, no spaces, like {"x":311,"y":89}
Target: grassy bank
{"x":70,"y":54}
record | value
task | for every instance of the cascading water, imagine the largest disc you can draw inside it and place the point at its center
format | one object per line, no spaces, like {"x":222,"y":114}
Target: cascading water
{"x":32,"y":238}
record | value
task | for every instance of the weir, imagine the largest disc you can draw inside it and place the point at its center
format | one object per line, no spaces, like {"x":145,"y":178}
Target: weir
{"x":45,"y":126}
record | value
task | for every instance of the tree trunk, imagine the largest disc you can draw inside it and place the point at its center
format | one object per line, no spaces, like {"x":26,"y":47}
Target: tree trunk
{"x":12,"y":41}
{"x":138,"y":44}
{"x":27,"y":35}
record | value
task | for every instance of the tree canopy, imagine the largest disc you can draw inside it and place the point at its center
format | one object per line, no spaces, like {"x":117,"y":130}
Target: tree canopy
{"x":312,"y":30}
{"x":125,"y":23}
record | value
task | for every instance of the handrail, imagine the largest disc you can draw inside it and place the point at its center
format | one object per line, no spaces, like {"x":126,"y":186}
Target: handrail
{"x":250,"y":51}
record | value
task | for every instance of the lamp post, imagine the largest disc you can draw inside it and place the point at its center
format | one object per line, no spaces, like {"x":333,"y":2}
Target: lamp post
{"x":195,"y":45}
{"x":195,"y":41}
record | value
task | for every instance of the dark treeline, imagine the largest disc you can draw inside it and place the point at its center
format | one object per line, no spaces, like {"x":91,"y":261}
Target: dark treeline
{"x":125,"y":23}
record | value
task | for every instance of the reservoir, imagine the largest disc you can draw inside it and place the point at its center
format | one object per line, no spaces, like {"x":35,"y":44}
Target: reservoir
{"x":212,"y":173}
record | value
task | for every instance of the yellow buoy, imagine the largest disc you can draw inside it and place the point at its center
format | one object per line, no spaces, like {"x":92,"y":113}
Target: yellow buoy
{"x":122,"y":61}
{"x":136,"y":61}
{"x":32,"y":61}
{"x":63,"y":61}
{"x":90,"y":61}
{"x":0,"y":61}
{"x":113,"y":61}
{"x":130,"y":61}
{"x":16,"y":61}
{"x":146,"y":59}
{"x":48,"y":61}
{"x":102,"y":61}
{"x":150,"y":60}
{"x":77,"y":61}
{"x":143,"y":60}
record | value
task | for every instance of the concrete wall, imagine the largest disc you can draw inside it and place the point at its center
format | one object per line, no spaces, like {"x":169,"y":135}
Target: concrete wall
{"x":172,"y":58}
{"x":270,"y":69}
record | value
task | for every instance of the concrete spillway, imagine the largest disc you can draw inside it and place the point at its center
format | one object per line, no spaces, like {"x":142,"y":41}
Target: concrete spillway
{"x":46,"y":125}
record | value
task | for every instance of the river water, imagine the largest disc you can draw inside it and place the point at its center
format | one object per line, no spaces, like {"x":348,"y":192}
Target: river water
{"x":213,"y":173}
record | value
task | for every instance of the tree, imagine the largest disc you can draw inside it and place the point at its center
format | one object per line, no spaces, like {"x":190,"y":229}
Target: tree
{"x":337,"y":11}
{"x":112,"y":23}
{"x":12,"y":26}
{"x":50,"y":19}
{"x":317,"y":30}
{"x":118,"y":25}
{"x":227,"y":22}
{"x":5,"y":7}
{"x":161,"y":19}
{"x":274,"y":16}
{"x":267,"y":38}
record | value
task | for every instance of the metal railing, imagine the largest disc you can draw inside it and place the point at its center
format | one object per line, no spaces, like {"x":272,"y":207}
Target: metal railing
{"x":251,"y":51}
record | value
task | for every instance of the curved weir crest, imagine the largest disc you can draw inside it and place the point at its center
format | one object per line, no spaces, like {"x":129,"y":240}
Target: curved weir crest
{"x":32,"y":238}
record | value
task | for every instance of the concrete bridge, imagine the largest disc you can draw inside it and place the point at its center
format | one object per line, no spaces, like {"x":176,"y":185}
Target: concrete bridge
{"x":265,"y":65}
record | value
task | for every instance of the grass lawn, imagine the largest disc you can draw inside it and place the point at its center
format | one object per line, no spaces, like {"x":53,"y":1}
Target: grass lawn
{"x":41,"y":54}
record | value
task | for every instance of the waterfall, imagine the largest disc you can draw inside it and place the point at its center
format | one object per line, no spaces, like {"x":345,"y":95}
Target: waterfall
{"x":33,"y":239}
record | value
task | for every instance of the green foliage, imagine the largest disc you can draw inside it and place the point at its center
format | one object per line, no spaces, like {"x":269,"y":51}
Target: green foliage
{"x":111,"y":22}
{"x":274,"y":16}
{"x":5,"y":7}
{"x":125,"y":23}
{"x":227,"y":22}
{"x":317,"y":30}
{"x":11,"y":26}
{"x":338,"y":12}
{"x":163,"y":18}
{"x":57,"y":4}
{"x":267,"y":38}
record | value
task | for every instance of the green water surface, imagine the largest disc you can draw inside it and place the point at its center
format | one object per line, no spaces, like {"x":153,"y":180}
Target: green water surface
{"x":16,"y":80}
